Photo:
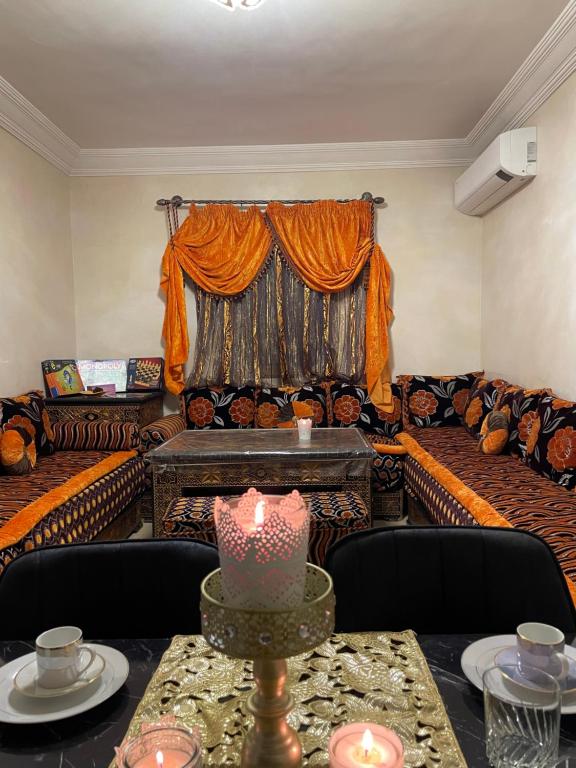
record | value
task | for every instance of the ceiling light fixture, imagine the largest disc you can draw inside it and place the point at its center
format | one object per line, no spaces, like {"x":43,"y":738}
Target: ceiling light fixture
{"x":243,"y":5}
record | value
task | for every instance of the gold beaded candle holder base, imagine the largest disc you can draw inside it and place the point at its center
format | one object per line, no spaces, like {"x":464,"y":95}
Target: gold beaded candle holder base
{"x":269,"y":638}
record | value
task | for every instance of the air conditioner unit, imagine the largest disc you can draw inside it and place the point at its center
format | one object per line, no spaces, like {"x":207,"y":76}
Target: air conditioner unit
{"x":504,"y":166}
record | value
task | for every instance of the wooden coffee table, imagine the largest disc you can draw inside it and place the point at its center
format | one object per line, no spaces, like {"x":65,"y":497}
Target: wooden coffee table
{"x":228,"y":461}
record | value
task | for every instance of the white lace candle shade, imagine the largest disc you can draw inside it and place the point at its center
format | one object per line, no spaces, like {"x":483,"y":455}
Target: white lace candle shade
{"x":263,"y":545}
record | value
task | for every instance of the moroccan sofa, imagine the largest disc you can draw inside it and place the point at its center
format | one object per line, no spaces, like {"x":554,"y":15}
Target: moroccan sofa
{"x":531,"y":485}
{"x":335,"y":404}
{"x":63,"y":482}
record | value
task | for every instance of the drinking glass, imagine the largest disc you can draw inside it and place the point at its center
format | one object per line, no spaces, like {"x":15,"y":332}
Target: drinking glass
{"x":522,"y":715}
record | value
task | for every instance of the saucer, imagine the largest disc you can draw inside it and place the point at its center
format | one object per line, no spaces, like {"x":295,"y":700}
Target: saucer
{"x":482,"y":654}
{"x":26,"y":679}
{"x":17,"y":708}
{"x":509,"y":656}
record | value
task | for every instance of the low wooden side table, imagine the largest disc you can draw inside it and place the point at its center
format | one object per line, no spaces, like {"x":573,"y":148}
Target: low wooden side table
{"x":141,"y":407}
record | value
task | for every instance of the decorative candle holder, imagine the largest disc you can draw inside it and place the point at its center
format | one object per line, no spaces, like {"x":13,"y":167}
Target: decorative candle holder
{"x":269,"y":637}
{"x":263,"y":546}
{"x":161,"y":747}
{"x":304,"y":430}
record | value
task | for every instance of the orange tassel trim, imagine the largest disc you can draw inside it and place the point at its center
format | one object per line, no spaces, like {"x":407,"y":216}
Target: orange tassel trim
{"x":483,"y":512}
{"x":24,"y":520}
{"x":392,"y":450}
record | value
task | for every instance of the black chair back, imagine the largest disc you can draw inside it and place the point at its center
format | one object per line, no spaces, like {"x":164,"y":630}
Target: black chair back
{"x":447,"y":580}
{"x":110,"y":589}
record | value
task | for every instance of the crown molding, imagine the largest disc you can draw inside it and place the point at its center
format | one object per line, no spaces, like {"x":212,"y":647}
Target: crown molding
{"x":272,"y":158}
{"x":550,"y":63}
{"x":544,"y":70}
{"x":24,"y":121}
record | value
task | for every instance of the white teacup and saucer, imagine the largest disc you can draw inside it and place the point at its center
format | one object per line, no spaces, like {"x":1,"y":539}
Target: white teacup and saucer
{"x":540,"y":646}
{"x":62,"y":665}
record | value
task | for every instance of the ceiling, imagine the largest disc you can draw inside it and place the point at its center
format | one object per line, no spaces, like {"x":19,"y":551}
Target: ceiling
{"x":187,"y":73}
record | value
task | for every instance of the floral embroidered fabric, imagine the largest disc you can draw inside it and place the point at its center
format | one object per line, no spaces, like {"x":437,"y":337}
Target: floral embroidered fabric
{"x":219,"y":407}
{"x":352,"y":407}
{"x":435,"y":401}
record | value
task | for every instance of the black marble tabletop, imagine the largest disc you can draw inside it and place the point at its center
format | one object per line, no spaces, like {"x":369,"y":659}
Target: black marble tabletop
{"x":87,"y":740}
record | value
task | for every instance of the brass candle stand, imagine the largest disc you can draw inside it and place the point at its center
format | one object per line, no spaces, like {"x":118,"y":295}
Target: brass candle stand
{"x":269,"y":638}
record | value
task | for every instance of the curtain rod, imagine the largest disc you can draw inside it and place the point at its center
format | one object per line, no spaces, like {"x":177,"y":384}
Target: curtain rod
{"x":176,"y":201}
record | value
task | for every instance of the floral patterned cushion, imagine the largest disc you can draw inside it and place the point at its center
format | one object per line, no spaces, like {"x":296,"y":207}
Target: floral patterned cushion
{"x":28,"y":412}
{"x":553,"y":439}
{"x":270,"y":402}
{"x":521,"y":407}
{"x":435,"y":401}
{"x":218,"y":407}
{"x":482,"y":400}
{"x":352,"y":407}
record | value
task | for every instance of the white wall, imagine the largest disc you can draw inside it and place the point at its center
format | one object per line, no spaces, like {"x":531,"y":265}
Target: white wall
{"x":529,"y":263}
{"x":36,"y":283}
{"x":435,"y":254}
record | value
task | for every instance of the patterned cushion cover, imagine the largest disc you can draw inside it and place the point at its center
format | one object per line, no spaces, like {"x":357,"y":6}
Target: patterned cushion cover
{"x":483,"y":398}
{"x":153,"y":435}
{"x":352,"y":407}
{"x":521,"y":407}
{"x":28,"y":411}
{"x":270,"y":401}
{"x":219,"y":407}
{"x":333,"y":515}
{"x":435,"y":401}
{"x":387,"y":469}
{"x":98,"y":435}
{"x":553,"y":439}
{"x":17,"y":451}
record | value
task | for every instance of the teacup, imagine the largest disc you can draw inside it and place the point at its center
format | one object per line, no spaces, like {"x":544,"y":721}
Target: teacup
{"x":541,"y":646}
{"x":60,"y":657}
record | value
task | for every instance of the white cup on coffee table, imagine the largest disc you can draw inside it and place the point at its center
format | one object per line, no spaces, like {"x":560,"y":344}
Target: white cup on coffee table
{"x":541,"y":646}
{"x":61,"y":657}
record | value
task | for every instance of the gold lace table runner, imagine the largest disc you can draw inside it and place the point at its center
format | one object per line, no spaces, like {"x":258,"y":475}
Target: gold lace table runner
{"x":379,"y":677}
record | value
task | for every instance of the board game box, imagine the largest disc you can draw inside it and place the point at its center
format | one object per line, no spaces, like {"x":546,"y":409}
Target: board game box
{"x":145,"y":373}
{"x":61,"y":377}
{"x":98,"y":373}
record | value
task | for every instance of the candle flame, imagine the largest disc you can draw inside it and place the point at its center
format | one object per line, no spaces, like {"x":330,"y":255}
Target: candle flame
{"x":367,"y":742}
{"x":259,"y":513}
{"x":160,"y":759}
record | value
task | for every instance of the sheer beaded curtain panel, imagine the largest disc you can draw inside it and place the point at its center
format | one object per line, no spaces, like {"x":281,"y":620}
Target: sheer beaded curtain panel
{"x":279,"y":332}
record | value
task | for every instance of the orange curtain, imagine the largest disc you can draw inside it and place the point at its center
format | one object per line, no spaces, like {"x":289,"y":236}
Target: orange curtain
{"x":329,"y":243}
{"x":223,"y":250}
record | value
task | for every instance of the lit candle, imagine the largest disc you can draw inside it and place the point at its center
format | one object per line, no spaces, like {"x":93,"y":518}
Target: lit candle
{"x":357,"y":745}
{"x":263,"y":545}
{"x":305,"y":430}
{"x":161,"y":747}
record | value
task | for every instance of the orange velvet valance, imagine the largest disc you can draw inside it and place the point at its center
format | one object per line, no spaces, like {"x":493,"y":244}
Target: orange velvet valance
{"x":223,"y":250}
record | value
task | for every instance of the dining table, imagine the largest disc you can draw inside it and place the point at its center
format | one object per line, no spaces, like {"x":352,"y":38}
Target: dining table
{"x":87,"y":740}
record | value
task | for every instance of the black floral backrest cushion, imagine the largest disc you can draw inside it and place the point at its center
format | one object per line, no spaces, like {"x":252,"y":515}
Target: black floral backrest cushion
{"x":352,"y":407}
{"x":435,"y":401}
{"x":28,"y":412}
{"x":484,"y":397}
{"x":219,"y":407}
{"x":521,"y":407}
{"x":272,"y":402}
{"x":552,"y":449}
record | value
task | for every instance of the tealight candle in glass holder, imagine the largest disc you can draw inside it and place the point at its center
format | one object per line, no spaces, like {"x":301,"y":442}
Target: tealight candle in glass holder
{"x":360,"y":745}
{"x":170,"y":747}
